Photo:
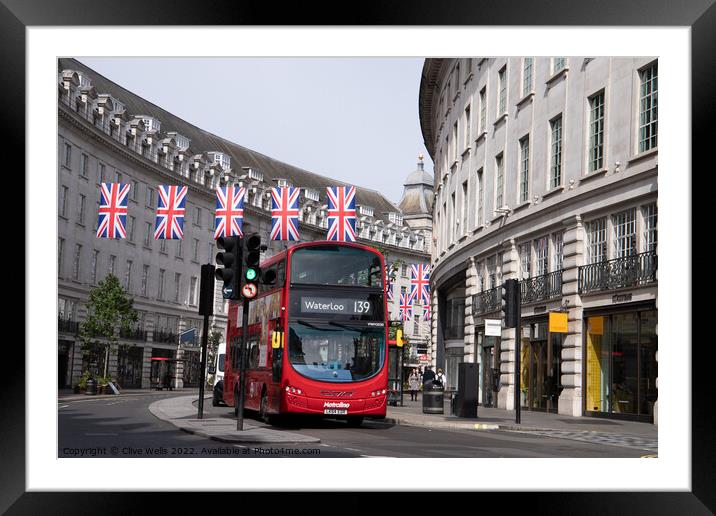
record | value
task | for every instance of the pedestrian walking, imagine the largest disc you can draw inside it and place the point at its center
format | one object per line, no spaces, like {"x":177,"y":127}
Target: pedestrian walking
{"x":428,"y":378}
{"x":440,"y":379}
{"x":414,"y":384}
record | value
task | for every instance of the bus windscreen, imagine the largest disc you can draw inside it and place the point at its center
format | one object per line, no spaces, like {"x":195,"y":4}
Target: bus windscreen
{"x":335,"y":352}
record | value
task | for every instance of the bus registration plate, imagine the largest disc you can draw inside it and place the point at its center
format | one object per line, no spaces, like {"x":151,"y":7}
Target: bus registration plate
{"x":337,"y":408}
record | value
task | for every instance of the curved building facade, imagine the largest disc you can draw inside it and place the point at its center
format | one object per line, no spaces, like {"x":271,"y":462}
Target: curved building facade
{"x":546,"y":172}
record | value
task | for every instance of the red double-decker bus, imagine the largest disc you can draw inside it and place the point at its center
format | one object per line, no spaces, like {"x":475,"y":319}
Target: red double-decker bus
{"x":317,"y":338}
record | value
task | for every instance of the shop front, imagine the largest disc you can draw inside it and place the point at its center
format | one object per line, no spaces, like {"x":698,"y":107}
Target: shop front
{"x":620,"y":362}
{"x":540,"y":365}
{"x":129,"y":366}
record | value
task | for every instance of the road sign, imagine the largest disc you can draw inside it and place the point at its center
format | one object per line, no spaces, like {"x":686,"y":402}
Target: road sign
{"x":188,"y":337}
{"x":493,"y":327}
{"x":249,"y":290}
{"x":227,"y":291}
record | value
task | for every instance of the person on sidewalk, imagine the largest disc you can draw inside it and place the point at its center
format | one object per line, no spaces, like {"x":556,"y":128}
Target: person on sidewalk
{"x":414,"y":385}
{"x":440,"y":379}
{"x":428,"y":378}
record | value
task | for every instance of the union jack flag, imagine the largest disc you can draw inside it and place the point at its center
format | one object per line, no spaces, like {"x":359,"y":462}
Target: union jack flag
{"x":112,"y":210}
{"x":426,"y":312}
{"x":420,"y":282}
{"x":229,"y":211}
{"x":341,"y":213}
{"x":388,"y":283}
{"x":170,"y":212}
{"x":406,"y":309}
{"x":284,"y":213}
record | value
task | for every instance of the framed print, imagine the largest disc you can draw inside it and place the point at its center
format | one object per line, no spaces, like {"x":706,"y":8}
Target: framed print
{"x":538,"y":157}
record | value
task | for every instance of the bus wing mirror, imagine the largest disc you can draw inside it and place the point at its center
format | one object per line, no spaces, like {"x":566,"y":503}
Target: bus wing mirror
{"x":276,"y":339}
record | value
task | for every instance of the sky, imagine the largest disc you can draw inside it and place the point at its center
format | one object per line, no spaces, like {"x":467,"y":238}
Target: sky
{"x":354,"y":119}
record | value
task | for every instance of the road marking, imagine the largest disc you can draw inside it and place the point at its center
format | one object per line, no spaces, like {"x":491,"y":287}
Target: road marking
{"x":650,"y":456}
{"x":63,"y":406}
{"x":95,"y":434}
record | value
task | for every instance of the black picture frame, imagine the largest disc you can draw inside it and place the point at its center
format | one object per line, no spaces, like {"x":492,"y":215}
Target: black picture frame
{"x":16,"y":15}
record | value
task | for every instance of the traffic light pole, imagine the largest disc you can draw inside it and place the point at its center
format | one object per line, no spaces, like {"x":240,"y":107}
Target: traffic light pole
{"x":242,"y":367}
{"x":206,"y":308}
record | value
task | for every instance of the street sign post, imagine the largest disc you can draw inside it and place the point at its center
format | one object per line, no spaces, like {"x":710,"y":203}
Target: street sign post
{"x":206,"y":308}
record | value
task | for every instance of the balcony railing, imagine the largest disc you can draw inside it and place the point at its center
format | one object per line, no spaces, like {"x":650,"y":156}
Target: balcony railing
{"x":133,"y":334}
{"x":168,"y":337}
{"x":630,"y":271}
{"x":67,"y":326}
{"x":541,"y":288}
{"x":487,"y":301}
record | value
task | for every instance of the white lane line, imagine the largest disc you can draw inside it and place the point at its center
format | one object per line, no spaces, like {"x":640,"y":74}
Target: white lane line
{"x":95,"y":434}
{"x":63,"y":406}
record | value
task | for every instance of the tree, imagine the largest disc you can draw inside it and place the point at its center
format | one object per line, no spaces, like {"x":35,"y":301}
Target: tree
{"x":109,"y":311}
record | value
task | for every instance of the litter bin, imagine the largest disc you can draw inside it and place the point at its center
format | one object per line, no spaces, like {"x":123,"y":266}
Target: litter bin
{"x":91,"y":386}
{"x":433,"y":400}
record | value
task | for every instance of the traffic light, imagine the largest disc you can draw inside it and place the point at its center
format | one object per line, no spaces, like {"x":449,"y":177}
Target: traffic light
{"x":230,"y":258}
{"x":510,"y":302}
{"x":252,"y":272}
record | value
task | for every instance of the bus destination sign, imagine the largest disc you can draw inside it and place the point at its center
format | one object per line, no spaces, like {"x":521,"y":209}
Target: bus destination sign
{"x":342,"y":306}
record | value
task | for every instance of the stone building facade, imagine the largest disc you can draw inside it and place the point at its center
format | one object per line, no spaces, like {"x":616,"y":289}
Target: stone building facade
{"x":546,"y":171}
{"x":109,"y":134}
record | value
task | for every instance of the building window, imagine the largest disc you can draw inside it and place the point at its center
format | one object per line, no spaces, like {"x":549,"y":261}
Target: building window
{"x":95,"y":258}
{"x":179,"y":248}
{"x":112,"y":260}
{"x":650,"y":234}
{"x":84,"y":165}
{"x":130,"y":229}
{"x":541,"y":249}
{"x":64,"y":191}
{"x":160,"y":291}
{"x":454,"y":141}
{"x":483,"y":109}
{"x":81,"y":209}
{"x":524,"y":169}
{"x":149,"y":197}
{"x":502,"y":103}
{"x":145,"y":279}
{"x":468,"y":126}
{"x":648,"y":114}
{"x":135,"y":189}
{"x":480,"y":197}
{"x":210,"y":259}
{"x":60,"y":254}
{"x":453,"y":217}
{"x":597,"y":241}
{"x":555,"y":168}
{"x":118,"y":177}
{"x":557,"y":252}
{"x":625,"y":233}
{"x":196,"y":250}
{"x":558,"y":64}
{"x":499,"y":182}
{"x":492,"y":271}
{"x":76,"y":263}
{"x":68,"y":155}
{"x":163,"y":246}
{"x":526,"y":76}
{"x":596,"y":132}
{"x":192,"y":291}
{"x":525,"y":252}
{"x":128,"y":277}
{"x":197,"y":216}
{"x":148,"y":234}
{"x":100,"y":173}
{"x":463,"y":230}
{"x":177,"y":284}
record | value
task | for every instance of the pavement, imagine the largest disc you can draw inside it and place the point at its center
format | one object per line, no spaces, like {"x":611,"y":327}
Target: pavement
{"x":614,"y":432}
{"x":180,"y":411}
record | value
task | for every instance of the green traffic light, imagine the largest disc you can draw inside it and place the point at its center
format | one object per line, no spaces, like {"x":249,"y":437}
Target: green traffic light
{"x":250,"y":274}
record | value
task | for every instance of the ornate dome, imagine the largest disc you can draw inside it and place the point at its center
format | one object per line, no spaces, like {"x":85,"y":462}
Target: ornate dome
{"x":418,"y":193}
